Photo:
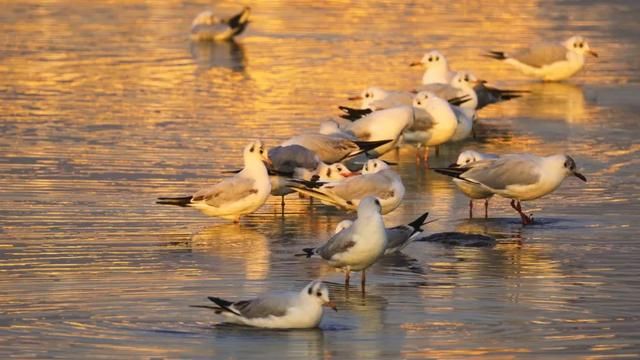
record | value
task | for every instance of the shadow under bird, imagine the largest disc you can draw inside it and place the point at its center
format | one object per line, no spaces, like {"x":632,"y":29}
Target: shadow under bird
{"x":357,"y":247}
{"x":291,"y":310}
{"x":519,"y":177}
{"x":236,"y":196}
{"x":208,"y":27}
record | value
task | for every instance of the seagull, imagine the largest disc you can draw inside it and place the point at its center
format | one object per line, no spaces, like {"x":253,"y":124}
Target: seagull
{"x":472,"y":190}
{"x":358,"y":246}
{"x":377,"y":179}
{"x":291,"y":310}
{"x":332,"y":148}
{"x":384,"y":124}
{"x":519,"y":177}
{"x":233,"y":197}
{"x":398,"y":237}
{"x":207,"y":27}
{"x":433,"y":128}
{"x":460,"y":86}
{"x":549,"y":61}
{"x":376,"y":98}
{"x":438,"y":72}
{"x":297,"y":162}
{"x":437,"y":68}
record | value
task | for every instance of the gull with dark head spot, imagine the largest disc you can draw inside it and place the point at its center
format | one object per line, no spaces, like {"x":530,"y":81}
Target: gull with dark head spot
{"x":472,"y":190}
{"x":208,"y":27}
{"x":360,"y":245}
{"x":377,"y":179}
{"x":549,"y":61}
{"x":520,"y":177}
{"x":233,"y":197}
{"x":292,"y":310}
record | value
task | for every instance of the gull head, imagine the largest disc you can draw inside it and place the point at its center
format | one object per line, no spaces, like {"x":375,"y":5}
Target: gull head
{"x":464,"y":79}
{"x":255,"y":151}
{"x":433,"y":60}
{"x":318,"y":292}
{"x":467,"y":157}
{"x":205,"y":18}
{"x":369,"y":205}
{"x":569,"y":166}
{"x":344,"y":224}
{"x":370,"y":94}
{"x":337,"y":171}
{"x":579,"y":45}
{"x":429,"y":101}
{"x":329,"y":127}
{"x":373,"y":166}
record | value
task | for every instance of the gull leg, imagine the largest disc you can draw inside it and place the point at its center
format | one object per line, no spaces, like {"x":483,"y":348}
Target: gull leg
{"x":470,"y":209}
{"x":282,"y":204}
{"x":418,"y":156}
{"x":397,"y":153}
{"x":425,"y":157}
{"x":363,"y":280}
{"x":347,"y":276}
{"x":486,"y":208}
{"x":526,"y":220}
{"x":437,"y":150}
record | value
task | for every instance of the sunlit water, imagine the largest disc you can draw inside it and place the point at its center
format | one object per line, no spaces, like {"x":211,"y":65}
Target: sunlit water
{"x":106,"y":105}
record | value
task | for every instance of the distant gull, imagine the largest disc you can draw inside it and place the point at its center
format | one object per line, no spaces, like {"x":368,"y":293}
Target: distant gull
{"x":208,"y":27}
{"x":233,"y":197}
{"x":289,"y":310}
{"x":520,"y":177}
{"x":549,"y":61}
{"x":359,"y":246}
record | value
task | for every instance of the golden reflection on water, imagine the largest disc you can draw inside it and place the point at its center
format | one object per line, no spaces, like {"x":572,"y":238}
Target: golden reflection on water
{"x":106,"y":106}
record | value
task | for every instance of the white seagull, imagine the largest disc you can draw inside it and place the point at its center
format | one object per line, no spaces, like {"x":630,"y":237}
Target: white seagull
{"x":472,"y":190}
{"x":520,"y":177}
{"x":436,"y":68}
{"x":358,"y":246}
{"x":398,"y":237}
{"x":335,"y":148}
{"x":380,"y":125}
{"x":292,"y":310}
{"x":377,"y":179}
{"x":549,"y":61}
{"x":233,"y":197}
{"x":434,"y":126}
{"x":208,"y":27}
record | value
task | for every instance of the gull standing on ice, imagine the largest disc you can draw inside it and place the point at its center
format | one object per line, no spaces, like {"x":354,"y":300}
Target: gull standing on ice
{"x":549,"y":61}
{"x":520,"y":177}
{"x":301,"y":310}
{"x":398,"y":237}
{"x":472,"y":190}
{"x":360,"y":245}
{"x":233,"y":197}
{"x":377,"y":179}
{"x":207,"y":27}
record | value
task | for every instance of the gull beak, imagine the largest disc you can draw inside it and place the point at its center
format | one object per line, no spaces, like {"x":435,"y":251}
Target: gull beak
{"x":592,"y":53}
{"x":390,"y":163}
{"x":267,"y":162}
{"x":417,"y":63}
{"x":332,"y":305}
{"x":579,"y":176}
{"x":454,"y":165}
{"x":349,"y":174}
{"x":353,"y":98}
{"x":480,"y":81}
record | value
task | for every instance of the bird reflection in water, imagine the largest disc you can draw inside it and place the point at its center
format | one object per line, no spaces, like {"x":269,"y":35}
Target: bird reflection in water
{"x":227,"y":54}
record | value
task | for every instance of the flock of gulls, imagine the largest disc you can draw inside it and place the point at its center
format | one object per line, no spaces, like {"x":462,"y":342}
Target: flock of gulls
{"x":339,"y":166}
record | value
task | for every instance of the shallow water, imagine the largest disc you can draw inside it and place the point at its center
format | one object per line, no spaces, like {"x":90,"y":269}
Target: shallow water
{"x":106,"y":106}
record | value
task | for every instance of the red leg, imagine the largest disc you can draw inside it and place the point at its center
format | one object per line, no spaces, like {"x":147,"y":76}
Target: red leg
{"x":470,"y":209}
{"x":363,"y":279}
{"x":347,"y":276}
{"x":486,"y":208}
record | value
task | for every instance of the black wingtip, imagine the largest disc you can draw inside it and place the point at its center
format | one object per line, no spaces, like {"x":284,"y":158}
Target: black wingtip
{"x":177,"y":201}
{"x":498,"y":55}
{"x":453,"y":172}
{"x":353,"y":114}
{"x":459,"y":100}
{"x":308,"y":184}
{"x":308,"y":252}
{"x":370,"y":145}
{"x":417,"y":223}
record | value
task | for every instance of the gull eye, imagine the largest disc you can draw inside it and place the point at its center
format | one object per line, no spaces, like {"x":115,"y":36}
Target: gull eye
{"x":581,"y":45}
{"x":430,"y":59}
{"x":437,"y":58}
{"x":366,"y":95}
{"x":377,"y":202}
{"x":575,"y":45}
{"x":310,"y":291}
{"x":319,"y":294}
{"x":251,"y":150}
{"x":375,"y":164}
{"x":418,"y":102}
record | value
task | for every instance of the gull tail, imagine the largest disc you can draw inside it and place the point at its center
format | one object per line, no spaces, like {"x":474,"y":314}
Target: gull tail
{"x":417,"y":223}
{"x":453,"y":172}
{"x":310,"y":184}
{"x":178,"y":201}
{"x":308,"y":252}
{"x":224,"y":305}
{"x":459,"y":100}
{"x":352,"y":114}
{"x":498,"y":55}
{"x":370,"y":145}
{"x":240,"y":21}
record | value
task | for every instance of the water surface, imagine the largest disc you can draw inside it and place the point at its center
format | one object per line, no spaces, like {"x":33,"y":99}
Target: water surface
{"x":106,"y":106}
